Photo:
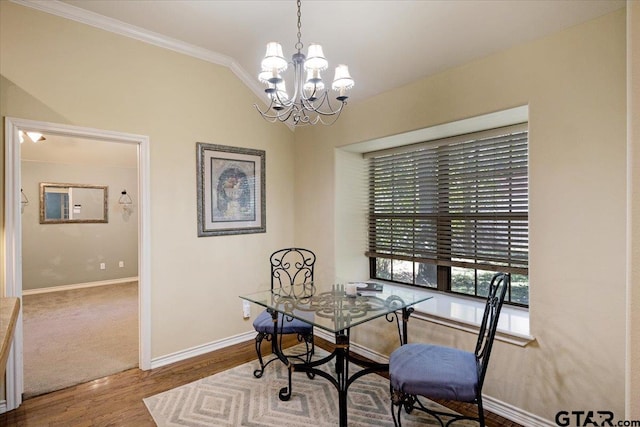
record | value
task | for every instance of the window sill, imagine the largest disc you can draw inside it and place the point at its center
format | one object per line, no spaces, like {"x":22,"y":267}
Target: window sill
{"x":465,"y":314}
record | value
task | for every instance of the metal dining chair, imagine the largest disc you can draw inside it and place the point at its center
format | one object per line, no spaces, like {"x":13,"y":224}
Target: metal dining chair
{"x":439,"y":372}
{"x":291,"y":271}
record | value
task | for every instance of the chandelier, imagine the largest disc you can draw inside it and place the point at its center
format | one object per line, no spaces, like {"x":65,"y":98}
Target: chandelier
{"x":310,"y":103}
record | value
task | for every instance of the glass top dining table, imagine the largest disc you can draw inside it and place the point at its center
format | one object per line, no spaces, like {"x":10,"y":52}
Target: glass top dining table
{"x":337,"y":308}
{"x":332,"y":308}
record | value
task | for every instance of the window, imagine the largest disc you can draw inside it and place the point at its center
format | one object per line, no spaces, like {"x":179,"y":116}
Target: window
{"x":448,"y":214}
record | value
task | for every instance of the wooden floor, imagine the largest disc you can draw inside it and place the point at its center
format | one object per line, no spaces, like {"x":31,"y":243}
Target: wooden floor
{"x":116,"y":400}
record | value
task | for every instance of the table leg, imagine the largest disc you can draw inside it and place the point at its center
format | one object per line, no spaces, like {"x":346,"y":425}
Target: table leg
{"x":342,"y":373}
{"x":342,"y":379}
{"x":285,"y":392}
{"x":406,"y":312}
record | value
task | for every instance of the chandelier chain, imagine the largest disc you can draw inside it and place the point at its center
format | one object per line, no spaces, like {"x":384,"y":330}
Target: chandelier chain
{"x":299,"y":45}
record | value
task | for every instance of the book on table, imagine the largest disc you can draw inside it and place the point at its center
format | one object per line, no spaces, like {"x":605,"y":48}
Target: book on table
{"x":369,"y":286}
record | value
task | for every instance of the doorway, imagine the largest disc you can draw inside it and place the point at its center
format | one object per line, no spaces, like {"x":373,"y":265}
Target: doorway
{"x":13,"y":278}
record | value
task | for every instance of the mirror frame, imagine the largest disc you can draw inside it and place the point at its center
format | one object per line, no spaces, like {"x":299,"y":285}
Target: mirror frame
{"x":105,"y":203}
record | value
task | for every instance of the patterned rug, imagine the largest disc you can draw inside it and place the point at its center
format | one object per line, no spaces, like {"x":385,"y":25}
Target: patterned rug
{"x":236,"y":398}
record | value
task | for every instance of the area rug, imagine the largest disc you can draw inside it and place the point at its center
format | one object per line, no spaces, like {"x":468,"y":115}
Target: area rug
{"x":236,"y":398}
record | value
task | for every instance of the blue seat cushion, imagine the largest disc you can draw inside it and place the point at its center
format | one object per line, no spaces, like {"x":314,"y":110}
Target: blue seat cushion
{"x":434,"y":371}
{"x":286,"y":325}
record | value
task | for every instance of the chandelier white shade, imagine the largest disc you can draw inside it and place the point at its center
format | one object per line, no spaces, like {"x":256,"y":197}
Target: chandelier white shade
{"x":310,"y":102}
{"x":315,"y":59}
{"x":274,"y":59}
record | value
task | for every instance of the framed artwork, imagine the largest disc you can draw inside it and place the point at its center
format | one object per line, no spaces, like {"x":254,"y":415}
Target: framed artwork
{"x":231,"y":190}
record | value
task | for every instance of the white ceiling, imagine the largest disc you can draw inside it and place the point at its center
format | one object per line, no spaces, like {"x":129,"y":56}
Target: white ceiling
{"x":71,"y":150}
{"x":386,"y":44}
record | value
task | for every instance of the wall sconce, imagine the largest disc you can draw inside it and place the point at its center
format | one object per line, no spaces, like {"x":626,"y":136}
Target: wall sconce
{"x":126,"y":202}
{"x":33,"y":136}
{"x":23,"y":200}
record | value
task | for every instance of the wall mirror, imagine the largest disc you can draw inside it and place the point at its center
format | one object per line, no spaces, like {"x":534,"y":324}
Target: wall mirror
{"x":73,"y":203}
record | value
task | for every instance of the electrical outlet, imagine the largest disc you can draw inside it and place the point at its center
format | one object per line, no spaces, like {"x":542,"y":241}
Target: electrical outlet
{"x":121,"y":264}
{"x":246,"y":309}
{"x":103,"y":266}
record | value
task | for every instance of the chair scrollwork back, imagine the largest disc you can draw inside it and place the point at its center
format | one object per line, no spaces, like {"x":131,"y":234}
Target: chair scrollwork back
{"x":291,"y":276}
{"x":292,"y":266}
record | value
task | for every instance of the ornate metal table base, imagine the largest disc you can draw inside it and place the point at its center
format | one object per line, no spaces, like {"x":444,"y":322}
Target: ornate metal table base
{"x":341,"y":380}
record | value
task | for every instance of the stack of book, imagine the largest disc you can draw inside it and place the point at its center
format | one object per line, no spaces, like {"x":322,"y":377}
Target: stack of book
{"x":369,"y":288}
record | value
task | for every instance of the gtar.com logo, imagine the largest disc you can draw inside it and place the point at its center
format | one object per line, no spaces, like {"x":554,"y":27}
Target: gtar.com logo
{"x":591,"y":419}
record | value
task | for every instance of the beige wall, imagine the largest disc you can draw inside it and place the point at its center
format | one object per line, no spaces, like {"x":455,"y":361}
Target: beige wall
{"x":633,"y":210}
{"x":574,"y":83}
{"x":61,"y":71}
{"x":68,"y":254}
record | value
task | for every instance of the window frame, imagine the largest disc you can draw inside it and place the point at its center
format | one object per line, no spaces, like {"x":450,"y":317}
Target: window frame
{"x":444,"y":266}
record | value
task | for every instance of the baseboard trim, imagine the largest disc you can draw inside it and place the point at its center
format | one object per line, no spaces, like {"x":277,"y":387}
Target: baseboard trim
{"x":3,"y":406}
{"x":201,"y":349}
{"x":514,"y":414}
{"x":79,"y":286}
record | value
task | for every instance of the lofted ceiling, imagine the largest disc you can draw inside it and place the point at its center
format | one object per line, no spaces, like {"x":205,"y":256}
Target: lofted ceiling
{"x":385,"y":43}
{"x":72,"y":150}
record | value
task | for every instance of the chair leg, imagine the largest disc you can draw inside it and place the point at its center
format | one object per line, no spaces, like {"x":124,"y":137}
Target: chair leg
{"x":310,"y":348}
{"x":258,"y":372}
{"x":397,"y":399}
{"x":397,"y":419}
{"x":480,"y":410}
{"x":306,"y":357}
{"x":410,"y":403}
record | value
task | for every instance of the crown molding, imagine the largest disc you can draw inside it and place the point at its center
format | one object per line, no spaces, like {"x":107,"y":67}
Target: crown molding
{"x":83,"y":16}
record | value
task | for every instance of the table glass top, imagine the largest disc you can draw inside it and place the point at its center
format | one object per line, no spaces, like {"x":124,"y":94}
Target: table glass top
{"x":330,"y":308}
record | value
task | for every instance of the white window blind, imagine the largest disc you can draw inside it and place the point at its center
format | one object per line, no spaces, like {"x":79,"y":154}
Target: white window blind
{"x":460,"y":201}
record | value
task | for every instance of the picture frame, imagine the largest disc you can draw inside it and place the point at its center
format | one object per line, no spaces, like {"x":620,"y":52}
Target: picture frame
{"x":230,"y":190}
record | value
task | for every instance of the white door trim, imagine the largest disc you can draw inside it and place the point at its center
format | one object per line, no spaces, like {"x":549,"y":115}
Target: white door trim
{"x":13,"y":236}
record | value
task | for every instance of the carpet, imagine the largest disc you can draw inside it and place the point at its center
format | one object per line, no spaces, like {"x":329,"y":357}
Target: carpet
{"x":75,"y":336}
{"x":236,"y":398}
